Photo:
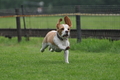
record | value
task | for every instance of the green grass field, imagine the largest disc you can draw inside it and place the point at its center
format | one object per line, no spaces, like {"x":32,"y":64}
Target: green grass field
{"x":92,"y":59}
{"x":87,"y":22}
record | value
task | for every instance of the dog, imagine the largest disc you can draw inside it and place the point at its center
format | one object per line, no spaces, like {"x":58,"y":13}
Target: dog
{"x":57,"y":40}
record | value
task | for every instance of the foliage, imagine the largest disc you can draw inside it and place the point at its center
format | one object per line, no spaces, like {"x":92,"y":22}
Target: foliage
{"x":23,"y":61}
{"x":17,"y":3}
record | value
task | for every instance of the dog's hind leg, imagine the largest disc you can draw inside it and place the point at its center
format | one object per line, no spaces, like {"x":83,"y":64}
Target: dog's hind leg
{"x":44,"y":46}
{"x":50,"y":49}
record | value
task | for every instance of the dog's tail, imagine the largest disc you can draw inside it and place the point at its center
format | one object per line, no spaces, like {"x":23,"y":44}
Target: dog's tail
{"x":59,"y":22}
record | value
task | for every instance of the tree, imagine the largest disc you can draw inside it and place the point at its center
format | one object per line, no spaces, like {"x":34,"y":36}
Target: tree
{"x":5,"y":4}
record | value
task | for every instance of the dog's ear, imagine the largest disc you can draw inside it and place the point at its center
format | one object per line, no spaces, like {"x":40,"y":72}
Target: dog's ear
{"x":67,"y":21}
{"x":58,"y":23}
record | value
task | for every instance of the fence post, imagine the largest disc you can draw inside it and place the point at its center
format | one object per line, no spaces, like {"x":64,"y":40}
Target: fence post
{"x":78,"y":22}
{"x":26,"y":35}
{"x":18,"y":25}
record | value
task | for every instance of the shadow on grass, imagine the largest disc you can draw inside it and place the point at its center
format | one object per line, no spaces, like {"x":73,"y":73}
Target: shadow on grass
{"x":51,"y":62}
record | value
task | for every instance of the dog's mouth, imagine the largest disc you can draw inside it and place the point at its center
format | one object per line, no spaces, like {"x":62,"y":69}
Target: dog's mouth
{"x":66,"y":35}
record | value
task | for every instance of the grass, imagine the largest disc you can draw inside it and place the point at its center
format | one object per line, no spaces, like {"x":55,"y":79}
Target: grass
{"x":100,"y":22}
{"x":23,"y":61}
{"x":96,"y":45}
{"x":87,"y":22}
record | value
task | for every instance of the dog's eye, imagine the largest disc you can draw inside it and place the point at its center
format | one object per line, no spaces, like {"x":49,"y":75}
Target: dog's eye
{"x":68,"y":29}
{"x":62,"y":28}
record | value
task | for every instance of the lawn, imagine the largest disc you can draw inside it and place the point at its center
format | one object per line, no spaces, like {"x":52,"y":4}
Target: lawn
{"x":24,"y":61}
{"x":87,"y":22}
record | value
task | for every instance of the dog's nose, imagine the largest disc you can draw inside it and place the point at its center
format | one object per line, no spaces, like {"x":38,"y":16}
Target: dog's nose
{"x":66,"y":31}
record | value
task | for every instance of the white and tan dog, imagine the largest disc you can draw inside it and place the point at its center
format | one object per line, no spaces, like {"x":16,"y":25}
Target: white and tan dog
{"x":58,"y":40}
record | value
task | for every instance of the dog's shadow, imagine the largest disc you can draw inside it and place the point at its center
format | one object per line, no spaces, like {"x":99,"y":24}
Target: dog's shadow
{"x":50,"y":62}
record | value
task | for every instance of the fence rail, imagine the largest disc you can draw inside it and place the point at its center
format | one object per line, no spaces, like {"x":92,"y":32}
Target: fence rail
{"x":62,"y":14}
{"x":93,"y":33}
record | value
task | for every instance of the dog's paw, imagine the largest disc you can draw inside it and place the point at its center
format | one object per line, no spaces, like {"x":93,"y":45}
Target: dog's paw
{"x":41,"y":50}
{"x":67,"y":62}
{"x":67,"y":48}
{"x":51,"y":50}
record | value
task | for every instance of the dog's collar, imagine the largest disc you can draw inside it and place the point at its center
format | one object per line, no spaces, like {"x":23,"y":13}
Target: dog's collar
{"x":59,"y":37}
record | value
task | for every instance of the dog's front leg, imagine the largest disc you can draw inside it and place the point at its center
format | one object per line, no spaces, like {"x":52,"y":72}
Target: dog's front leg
{"x":63,"y":47}
{"x":66,"y":56}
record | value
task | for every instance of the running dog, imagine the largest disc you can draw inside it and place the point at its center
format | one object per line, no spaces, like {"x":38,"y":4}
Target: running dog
{"x":57,"y":40}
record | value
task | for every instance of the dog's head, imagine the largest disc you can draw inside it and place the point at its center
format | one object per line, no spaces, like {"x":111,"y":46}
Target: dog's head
{"x":64,"y":29}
